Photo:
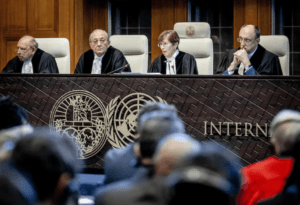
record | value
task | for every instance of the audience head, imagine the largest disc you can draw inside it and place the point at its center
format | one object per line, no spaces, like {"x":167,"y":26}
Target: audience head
{"x":285,"y":131}
{"x":99,"y":42}
{"x":154,"y":126}
{"x":213,"y":171}
{"x":154,"y":106}
{"x":11,"y":114}
{"x":249,"y":37}
{"x":168,"y":42}
{"x":49,"y":161}
{"x":171,"y":149}
{"x":26,"y":48}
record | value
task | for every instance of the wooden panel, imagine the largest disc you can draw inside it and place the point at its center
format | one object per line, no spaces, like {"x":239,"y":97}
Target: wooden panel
{"x":264,"y":17}
{"x":44,"y":14}
{"x":162,"y":18}
{"x":45,"y":21}
{"x":180,"y":13}
{"x":251,"y":12}
{"x":10,"y":49}
{"x":16,"y":15}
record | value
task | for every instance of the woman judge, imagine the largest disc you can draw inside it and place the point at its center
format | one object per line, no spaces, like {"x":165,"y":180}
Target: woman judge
{"x":172,"y":61}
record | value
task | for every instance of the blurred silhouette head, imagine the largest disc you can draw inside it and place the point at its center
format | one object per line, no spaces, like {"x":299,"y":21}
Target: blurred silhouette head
{"x":11,"y":114}
{"x":213,"y":172}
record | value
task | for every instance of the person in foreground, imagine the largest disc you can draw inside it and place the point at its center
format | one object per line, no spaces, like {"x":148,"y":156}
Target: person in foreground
{"x":267,"y":178}
{"x":42,"y":166}
{"x":250,"y":58}
{"x":152,"y":190}
{"x":172,"y":61}
{"x":101,"y":58}
{"x":31,"y":59}
{"x":123,"y":163}
{"x":210,"y":176}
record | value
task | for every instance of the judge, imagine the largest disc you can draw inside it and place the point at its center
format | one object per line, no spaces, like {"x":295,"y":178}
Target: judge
{"x":101,"y":58}
{"x":172,"y":61}
{"x":31,"y":59}
{"x":250,"y":58}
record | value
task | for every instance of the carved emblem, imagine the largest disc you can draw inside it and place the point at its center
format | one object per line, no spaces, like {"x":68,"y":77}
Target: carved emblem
{"x":121,"y":116}
{"x":190,"y":30}
{"x":80,"y":115}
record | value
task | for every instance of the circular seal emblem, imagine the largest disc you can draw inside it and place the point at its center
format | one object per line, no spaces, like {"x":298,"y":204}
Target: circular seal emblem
{"x":123,"y":118}
{"x":80,"y":115}
{"x":190,"y":30}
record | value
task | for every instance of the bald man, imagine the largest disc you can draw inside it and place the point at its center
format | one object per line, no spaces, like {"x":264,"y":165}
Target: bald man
{"x":250,"y":58}
{"x":30,"y":59}
{"x":102,"y":58}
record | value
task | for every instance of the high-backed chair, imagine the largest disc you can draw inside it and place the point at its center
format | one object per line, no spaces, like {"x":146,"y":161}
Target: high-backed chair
{"x":59,"y":48}
{"x":195,"y":40}
{"x":279,"y":45}
{"x":135,"y":50}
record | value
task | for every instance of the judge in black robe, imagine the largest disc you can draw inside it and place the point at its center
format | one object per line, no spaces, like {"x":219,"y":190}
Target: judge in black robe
{"x":263,"y":61}
{"x":42,"y":62}
{"x":184,"y":62}
{"x":112,"y":60}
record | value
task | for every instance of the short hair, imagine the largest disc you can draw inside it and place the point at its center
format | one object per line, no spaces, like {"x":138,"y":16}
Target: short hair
{"x":172,"y":36}
{"x":90,"y":38}
{"x":45,"y":155}
{"x":32,"y":42}
{"x":157,"y":125}
{"x":11,"y":114}
{"x":153,"y":106}
{"x":256,"y":30}
{"x":285,"y":128}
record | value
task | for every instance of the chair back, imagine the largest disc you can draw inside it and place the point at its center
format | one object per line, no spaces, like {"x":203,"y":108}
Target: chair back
{"x":195,"y":40}
{"x":135,"y":50}
{"x":279,"y":45}
{"x":59,"y":48}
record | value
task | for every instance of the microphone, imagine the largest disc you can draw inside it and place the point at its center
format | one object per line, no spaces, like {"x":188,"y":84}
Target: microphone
{"x":118,"y":69}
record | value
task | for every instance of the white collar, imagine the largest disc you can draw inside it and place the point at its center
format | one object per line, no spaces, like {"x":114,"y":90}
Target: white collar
{"x":174,"y":55}
{"x":28,"y":61}
{"x":97,"y":57}
{"x":251,"y":54}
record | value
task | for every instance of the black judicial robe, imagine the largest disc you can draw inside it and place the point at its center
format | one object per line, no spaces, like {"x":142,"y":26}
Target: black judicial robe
{"x":112,"y":60}
{"x":42,"y":62}
{"x":185,"y":64}
{"x":263,"y":61}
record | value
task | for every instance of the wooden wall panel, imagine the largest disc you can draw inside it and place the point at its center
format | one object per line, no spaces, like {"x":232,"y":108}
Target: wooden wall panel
{"x":16,"y":15}
{"x":10,"y":49}
{"x":257,"y":12}
{"x":264,"y":16}
{"x":164,"y":14}
{"x":44,"y":15}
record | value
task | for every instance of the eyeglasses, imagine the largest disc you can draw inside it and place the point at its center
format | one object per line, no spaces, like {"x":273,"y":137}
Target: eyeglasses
{"x":22,"y":50}
{"x":246,"y":41}
{"x":95,"y":42}
{"x":163,"y":44}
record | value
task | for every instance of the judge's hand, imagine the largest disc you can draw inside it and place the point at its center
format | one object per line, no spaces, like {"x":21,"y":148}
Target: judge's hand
{"x":234,"y":64}
{"x":242,"y":56}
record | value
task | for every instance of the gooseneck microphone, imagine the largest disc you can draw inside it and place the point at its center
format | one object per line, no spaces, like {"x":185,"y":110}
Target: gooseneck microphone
{"x":118,"y":69}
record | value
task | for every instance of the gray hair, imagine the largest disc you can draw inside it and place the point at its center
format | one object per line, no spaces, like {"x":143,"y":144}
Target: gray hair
{"x":32,"y":42}
{"x":257,"y":30}
{"x":284,"y":130}
{"x":90,"y":38}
